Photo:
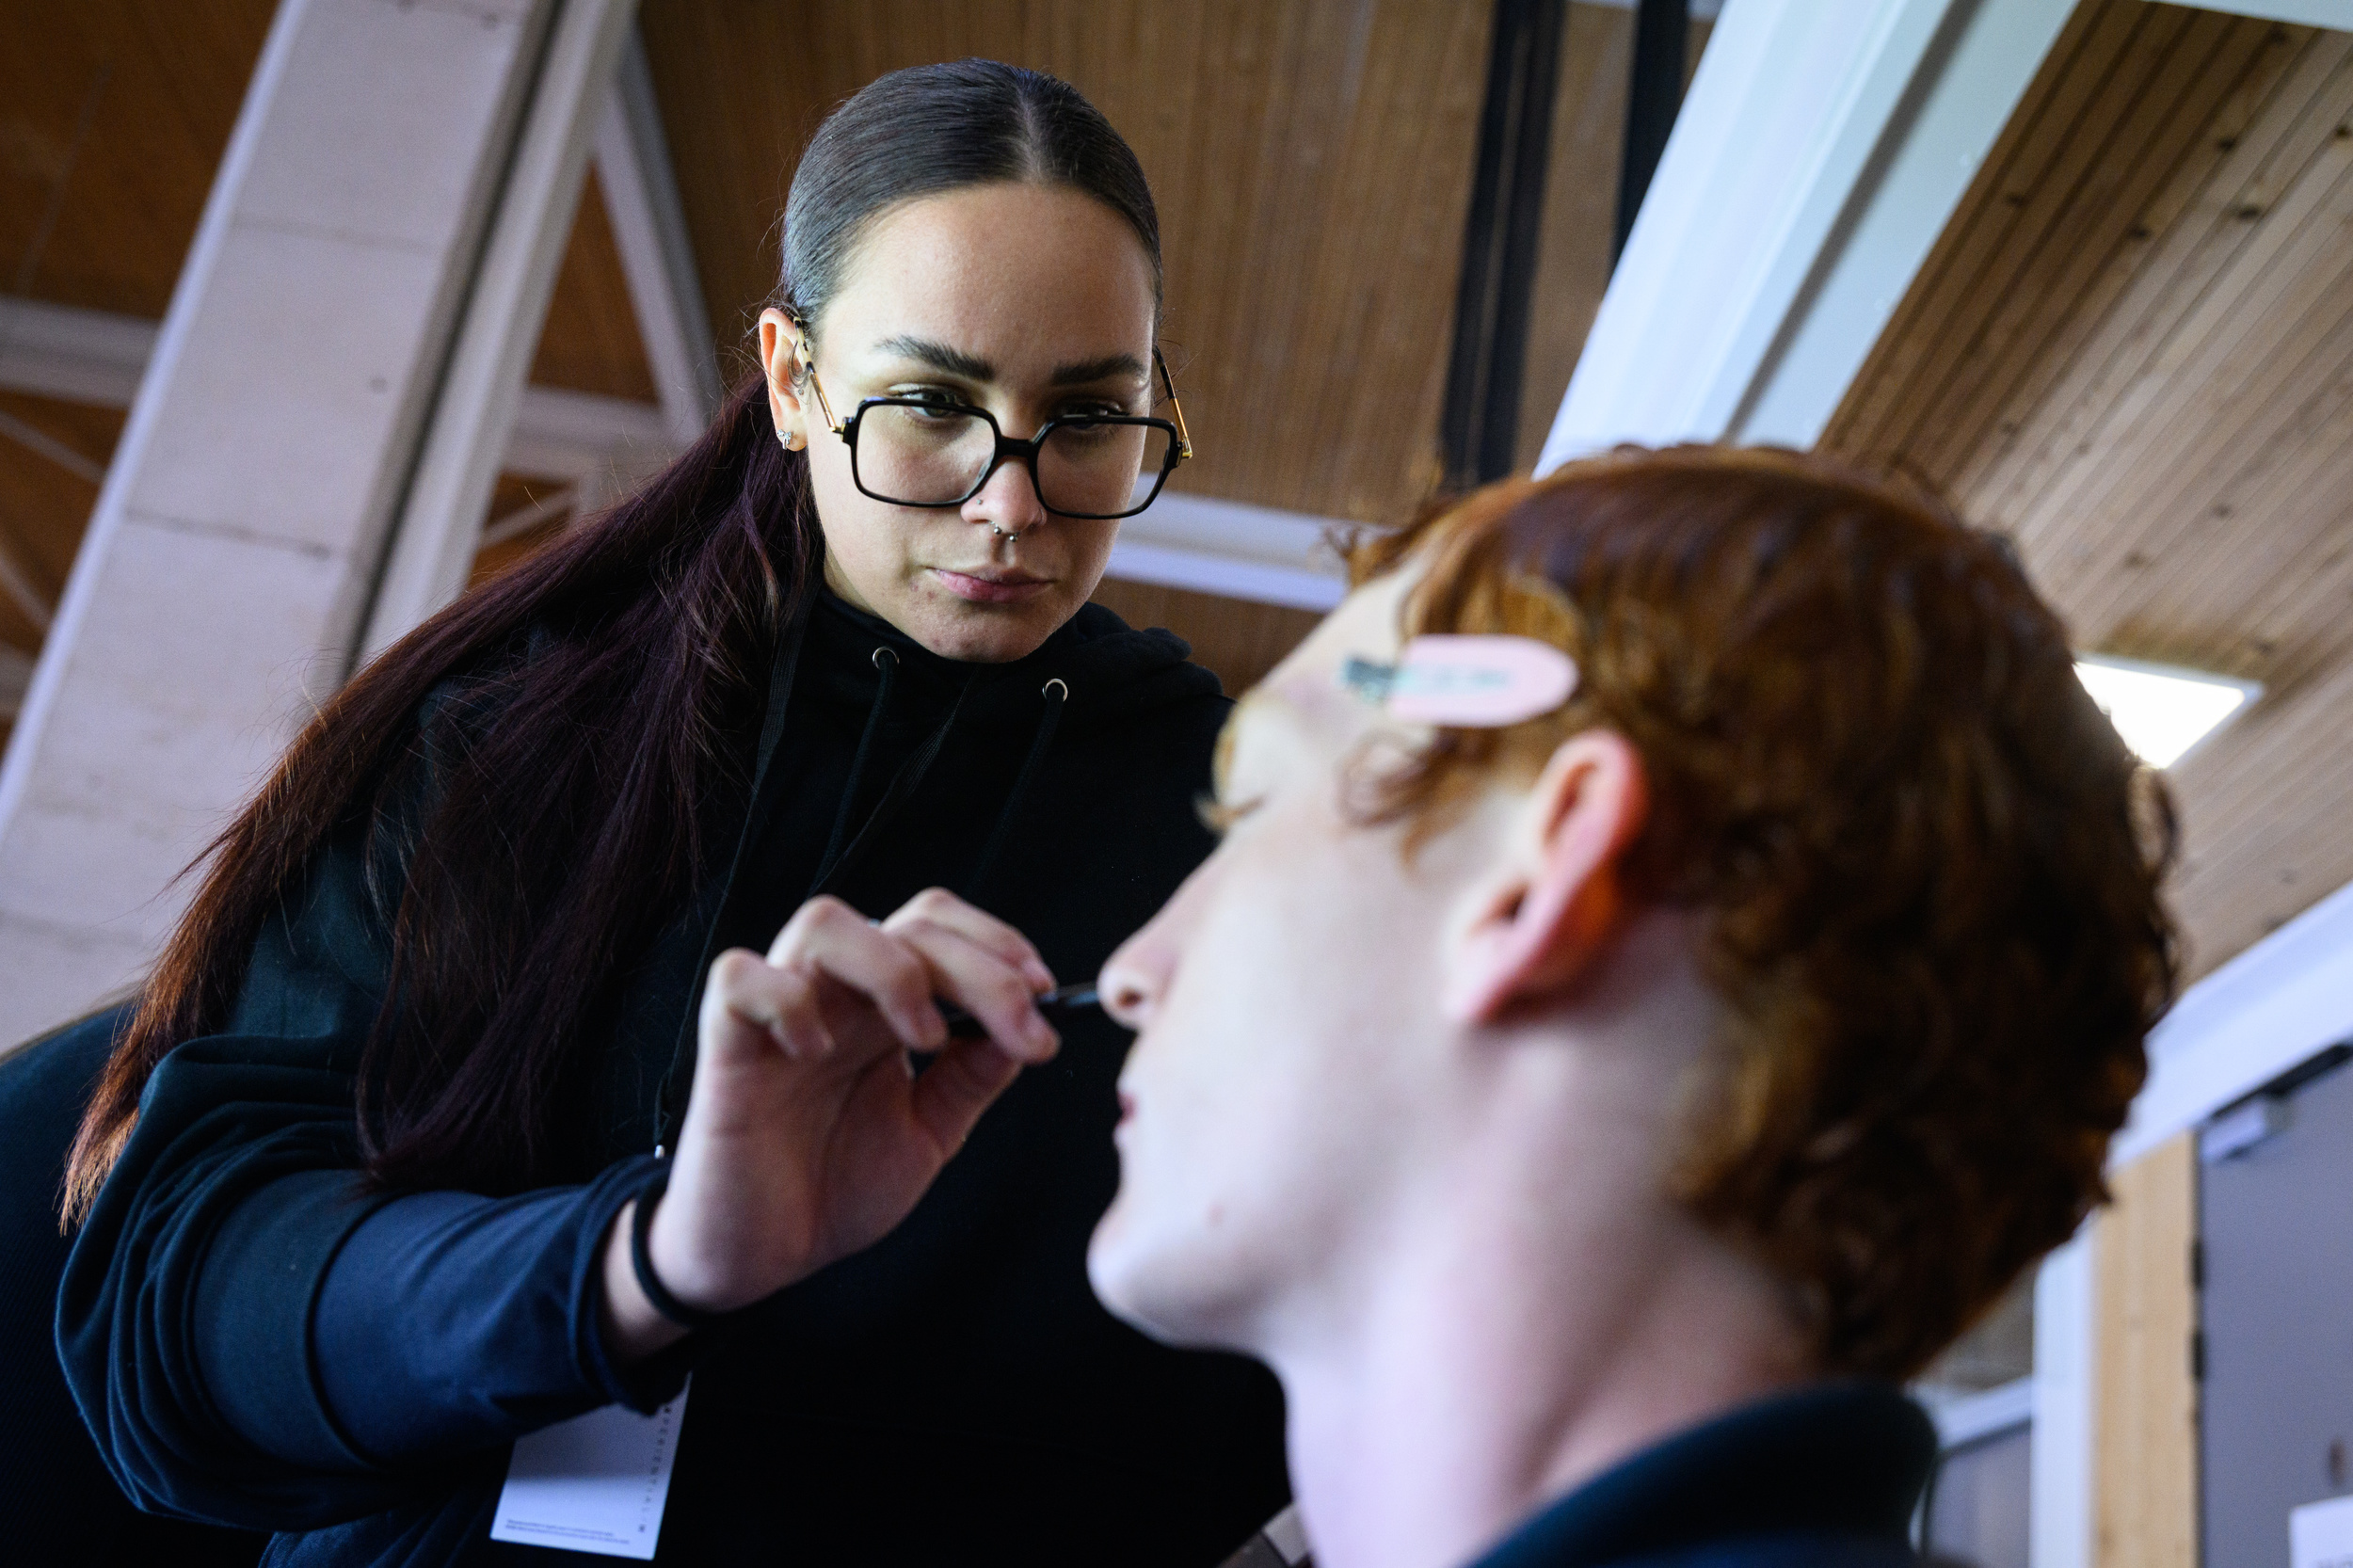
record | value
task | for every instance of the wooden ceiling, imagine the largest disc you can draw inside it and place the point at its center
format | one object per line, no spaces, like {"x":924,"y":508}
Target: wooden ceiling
{"x":1310,"y":161}
{"x":590,"y":343}
{"x":113,"y":115}
{"x":2132,"y":351}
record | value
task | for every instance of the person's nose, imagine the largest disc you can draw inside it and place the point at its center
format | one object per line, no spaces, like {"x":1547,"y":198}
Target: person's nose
{"x":1008,"y":502}
{"x":1135,"y":979}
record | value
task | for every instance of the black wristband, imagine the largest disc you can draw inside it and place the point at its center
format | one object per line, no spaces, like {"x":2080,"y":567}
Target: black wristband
{"x":641,"y":1261}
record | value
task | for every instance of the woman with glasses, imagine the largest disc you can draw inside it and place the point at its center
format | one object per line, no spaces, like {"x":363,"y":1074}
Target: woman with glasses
{"x":603,"y":989}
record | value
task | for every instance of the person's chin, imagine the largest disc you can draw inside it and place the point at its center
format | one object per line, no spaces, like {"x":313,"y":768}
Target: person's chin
{"x":1119,"y":1267}
{"x":1151,"y":1284}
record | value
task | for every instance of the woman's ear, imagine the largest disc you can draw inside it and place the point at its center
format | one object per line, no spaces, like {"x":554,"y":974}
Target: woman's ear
{"x":1557,"y":900}
{"x":780,"y":356}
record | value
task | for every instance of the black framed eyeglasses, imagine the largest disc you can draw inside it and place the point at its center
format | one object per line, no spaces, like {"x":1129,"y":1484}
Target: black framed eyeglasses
{"x":925,"y":452}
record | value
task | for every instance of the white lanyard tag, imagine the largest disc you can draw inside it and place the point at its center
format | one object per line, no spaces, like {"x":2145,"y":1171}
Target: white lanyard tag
{"x":595,"y":1483}
{"x":2320,"y":1535}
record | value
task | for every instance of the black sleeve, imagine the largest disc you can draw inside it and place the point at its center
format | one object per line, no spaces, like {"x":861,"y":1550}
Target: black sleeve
{"x":255,"y":1340}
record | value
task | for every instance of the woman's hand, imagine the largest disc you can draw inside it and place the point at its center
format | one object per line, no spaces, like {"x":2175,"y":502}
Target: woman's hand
{"x":807,"y":1137}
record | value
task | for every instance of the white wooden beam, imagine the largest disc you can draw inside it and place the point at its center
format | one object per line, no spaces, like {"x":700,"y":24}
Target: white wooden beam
{"x":2059,"y":1488}
{"x":1185,"y":541}
{"x":2310,"y":13}
{"x":79,"y":355}
{"x":16,"y":583}
{"x":94,"y":357}
{"x":530,"y":516}
{"x":1822,"y":146}
{"x":440,"y":530}
{"x":2281,"y":1000}
{"x":227,"y":565}
{"x":657,"y":257}
{"x":1240,"y":552}
{"x":16,"y":676}
{"x":40,"y":443}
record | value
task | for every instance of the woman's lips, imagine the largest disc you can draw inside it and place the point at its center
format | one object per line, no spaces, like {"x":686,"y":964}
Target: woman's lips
{"x":1008,"y":588}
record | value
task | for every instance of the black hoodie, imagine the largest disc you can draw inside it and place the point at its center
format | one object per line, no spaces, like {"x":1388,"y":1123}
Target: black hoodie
{"x":255,"y":1341}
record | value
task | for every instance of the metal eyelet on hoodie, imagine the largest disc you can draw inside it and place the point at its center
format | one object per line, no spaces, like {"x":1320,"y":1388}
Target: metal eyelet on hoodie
{"x":886,"y":661}
{"x":1056,"y":693}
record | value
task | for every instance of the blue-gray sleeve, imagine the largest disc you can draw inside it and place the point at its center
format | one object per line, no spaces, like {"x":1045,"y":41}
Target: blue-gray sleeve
{"x":450,"y":1321}
{"x":254,"y":1338}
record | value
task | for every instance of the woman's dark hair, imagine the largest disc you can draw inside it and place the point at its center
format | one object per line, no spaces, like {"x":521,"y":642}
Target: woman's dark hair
{"x":595,"y":686}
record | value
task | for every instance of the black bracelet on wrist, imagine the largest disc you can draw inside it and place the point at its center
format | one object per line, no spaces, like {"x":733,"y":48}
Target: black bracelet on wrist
{"x":641,"y":1261}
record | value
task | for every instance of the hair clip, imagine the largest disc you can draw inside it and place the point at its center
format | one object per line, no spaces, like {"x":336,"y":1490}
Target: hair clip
{"x":1466,"y":683}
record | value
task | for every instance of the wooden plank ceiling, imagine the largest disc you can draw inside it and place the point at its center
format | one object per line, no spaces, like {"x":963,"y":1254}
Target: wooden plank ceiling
{"x":2132,"y":350}
{"x":1311,"y":160}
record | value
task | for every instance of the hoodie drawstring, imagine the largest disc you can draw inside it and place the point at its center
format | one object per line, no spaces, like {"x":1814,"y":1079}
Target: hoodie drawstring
{"x":886,"y":663}
{"x":1056,"y":693}
{"x":900,"y":790}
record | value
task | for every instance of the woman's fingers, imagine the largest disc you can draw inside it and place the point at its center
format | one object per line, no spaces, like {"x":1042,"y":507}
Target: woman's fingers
{"x":779,"y":1003}
{"x":936,"y":945}
{"x":825,"y":937}
{"x":948,"y":1099}
{"x":977,"y":980}
{"x":937,"y":906}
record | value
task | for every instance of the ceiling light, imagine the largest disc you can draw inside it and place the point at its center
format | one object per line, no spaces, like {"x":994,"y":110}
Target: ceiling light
{"x":2162,"y":710}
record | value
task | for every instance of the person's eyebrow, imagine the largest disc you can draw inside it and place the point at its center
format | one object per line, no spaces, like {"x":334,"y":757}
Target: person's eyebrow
{"x":955,"y":362}
{"x":1125,"y":365}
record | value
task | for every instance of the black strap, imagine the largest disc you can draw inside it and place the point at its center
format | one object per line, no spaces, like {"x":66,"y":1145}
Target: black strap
{"x":1056,"y":692}
{"x":670,"y":1105}
{"x":641,"y":1260}
{"x":886,"y":663}
{"x":903,"y":787}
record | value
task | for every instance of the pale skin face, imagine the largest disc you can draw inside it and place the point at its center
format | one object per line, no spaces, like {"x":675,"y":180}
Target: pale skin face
{"x":1402,"y":1128}
{"x":1028,"y":301}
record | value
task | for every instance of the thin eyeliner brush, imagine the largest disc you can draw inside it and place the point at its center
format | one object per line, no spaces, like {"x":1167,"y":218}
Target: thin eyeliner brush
{"x":1058,"y":1005}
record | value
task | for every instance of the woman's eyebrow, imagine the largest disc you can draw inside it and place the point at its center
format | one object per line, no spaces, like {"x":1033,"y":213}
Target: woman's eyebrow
{"x":1099,"y":370}
{"x":955,"y":362}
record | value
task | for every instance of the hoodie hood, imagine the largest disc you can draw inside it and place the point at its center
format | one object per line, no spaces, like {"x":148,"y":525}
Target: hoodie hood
{"x":1111,"y":671}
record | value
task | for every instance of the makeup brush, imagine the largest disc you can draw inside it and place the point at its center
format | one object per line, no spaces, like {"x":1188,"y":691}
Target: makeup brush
{"x":1057,"y":1004}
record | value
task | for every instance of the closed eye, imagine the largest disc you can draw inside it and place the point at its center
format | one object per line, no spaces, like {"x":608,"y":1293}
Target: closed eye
{"x":1220,"y":818}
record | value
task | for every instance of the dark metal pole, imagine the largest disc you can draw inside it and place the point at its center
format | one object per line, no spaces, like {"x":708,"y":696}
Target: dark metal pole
{"x":1481,"y":427}
{"x":1662,"y":31}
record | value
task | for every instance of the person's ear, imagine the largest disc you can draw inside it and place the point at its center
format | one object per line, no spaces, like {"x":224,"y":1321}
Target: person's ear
{"x":780,"y":350}
{"x":1557,"y":899}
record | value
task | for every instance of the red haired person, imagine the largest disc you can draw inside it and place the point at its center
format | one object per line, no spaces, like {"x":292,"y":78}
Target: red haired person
{"x":1681,"y":942}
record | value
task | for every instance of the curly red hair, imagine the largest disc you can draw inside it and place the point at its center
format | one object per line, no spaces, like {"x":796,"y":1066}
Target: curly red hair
{"x":1927,"y":870}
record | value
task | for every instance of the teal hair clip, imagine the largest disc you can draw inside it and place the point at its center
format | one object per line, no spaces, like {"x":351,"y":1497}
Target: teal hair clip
{"x":1466,"y":683}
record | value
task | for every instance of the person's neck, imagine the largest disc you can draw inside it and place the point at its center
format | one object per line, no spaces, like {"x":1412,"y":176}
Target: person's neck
{"x":1509,"y":1346}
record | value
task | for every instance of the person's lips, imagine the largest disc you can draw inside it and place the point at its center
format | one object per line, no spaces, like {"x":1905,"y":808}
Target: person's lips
{"x":993,"y":586}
